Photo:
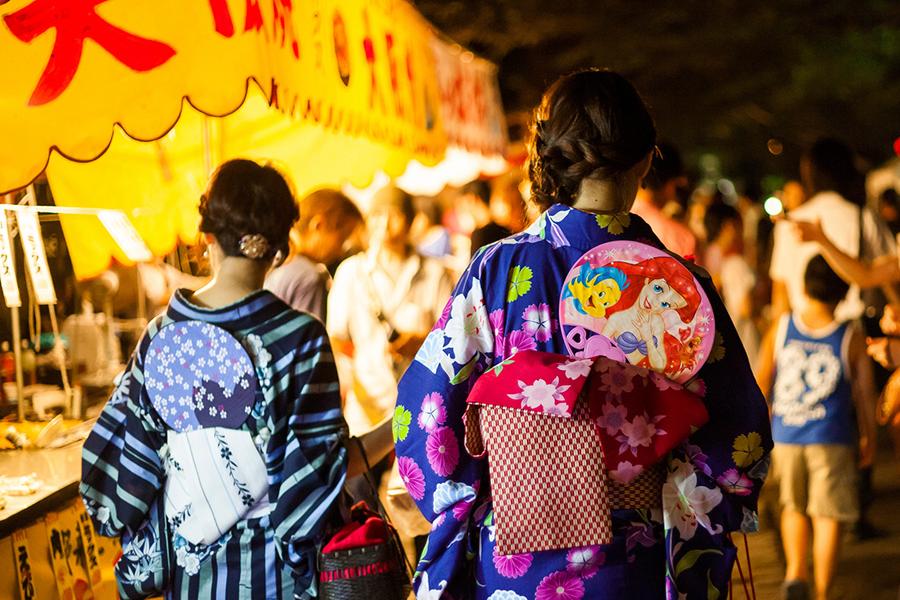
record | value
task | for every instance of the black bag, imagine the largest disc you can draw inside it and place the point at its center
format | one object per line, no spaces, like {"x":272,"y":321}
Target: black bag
{"x":377,"y":570}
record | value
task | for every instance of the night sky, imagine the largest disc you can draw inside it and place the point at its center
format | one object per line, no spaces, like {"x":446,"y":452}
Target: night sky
{"x":722,"y":77}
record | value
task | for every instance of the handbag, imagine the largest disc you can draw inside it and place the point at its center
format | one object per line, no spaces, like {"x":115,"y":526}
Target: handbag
{"x":364,"y":559}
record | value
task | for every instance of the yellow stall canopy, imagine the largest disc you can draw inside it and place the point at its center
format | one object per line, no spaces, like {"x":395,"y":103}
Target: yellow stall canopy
{"x":332,"y":91}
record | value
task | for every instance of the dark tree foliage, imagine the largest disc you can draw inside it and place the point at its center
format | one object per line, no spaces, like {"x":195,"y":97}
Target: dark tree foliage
{"x":722,"y":76}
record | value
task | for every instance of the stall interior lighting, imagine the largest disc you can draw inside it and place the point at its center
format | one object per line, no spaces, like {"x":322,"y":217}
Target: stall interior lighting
{"x":116,"y":223}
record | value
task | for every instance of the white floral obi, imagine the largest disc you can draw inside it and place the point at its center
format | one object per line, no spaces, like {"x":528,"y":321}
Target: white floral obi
{"x":214,"y":478}
{"x":203,"y":384}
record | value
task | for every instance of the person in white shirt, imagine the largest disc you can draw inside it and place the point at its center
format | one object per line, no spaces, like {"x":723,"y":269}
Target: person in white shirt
{"x":734,"y":277}
{"x":836,"y":195}
{"x":382,"y":304}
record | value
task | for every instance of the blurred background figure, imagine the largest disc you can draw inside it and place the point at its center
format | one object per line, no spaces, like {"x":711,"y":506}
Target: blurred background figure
{"x":475,"y":197}
{"x":836,"y":198}
{"x":661,"y":189}
{"x":816,"y":374}
{"x":792,"y":195}
{"x":734,"y":277}
{"x":507,"y":204}
{"x":382,"y":305}
{"x":889,"y":210}
{"x":428,"y":233}
{"x":328,"y":220}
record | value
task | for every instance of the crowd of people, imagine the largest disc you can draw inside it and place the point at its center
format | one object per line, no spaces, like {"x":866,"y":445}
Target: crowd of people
{"x":381,"y":322}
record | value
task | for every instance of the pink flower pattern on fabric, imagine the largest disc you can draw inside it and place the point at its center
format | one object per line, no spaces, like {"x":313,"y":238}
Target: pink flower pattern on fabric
{"x":585,"y":562}
{"x":735,"y":482}
{"x":560,"y":585}
{"x":433,"y":413}
{"x":577,"y":369}
{"x":412,"y":477}
{"x":618,"y":379}
{"x":496,"y":320}
{"x":625,"y":472}
{"x":541,"y":394}
{"x":442,"y":450}
{"x":518,"y":341}
{"x":538,"y":322}
{"x":613,"y":418}
{"x":662,"y":382}
{"x":512,"y":566}
{"x":640,"y":431}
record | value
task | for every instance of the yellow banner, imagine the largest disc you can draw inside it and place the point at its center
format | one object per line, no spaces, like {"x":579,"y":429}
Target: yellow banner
{"x":74,"y":67}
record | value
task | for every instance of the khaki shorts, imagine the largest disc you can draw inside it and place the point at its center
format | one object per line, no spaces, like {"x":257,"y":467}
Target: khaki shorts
{"x":817,"y":479}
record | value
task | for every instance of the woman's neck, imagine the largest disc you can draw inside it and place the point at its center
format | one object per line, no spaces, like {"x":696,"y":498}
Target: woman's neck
{"x":235,"y":279}
{"x":603,"y":197}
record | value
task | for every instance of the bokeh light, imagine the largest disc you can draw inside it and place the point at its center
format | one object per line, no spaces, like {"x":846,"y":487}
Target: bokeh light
{"x":773,"y":206}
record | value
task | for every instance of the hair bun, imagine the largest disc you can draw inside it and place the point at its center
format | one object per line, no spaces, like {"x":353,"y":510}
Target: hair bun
{"x":590,"y":123}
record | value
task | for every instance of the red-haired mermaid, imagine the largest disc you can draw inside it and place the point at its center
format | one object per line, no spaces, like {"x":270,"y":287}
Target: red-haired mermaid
{"x":636,"y":321}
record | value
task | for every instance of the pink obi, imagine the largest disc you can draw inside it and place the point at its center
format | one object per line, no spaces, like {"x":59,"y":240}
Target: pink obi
{"x":567,"y":440}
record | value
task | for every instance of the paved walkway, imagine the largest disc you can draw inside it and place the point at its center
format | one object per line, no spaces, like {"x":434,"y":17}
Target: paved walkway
{"x":868,"y":570}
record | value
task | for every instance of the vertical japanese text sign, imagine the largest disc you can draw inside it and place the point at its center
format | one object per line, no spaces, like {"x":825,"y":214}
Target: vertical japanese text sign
{"x":8,"y":265}
{"x":35,"y":257}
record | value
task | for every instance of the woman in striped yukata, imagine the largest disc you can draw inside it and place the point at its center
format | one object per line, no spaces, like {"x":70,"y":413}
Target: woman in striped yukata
{"x":221,"y":453}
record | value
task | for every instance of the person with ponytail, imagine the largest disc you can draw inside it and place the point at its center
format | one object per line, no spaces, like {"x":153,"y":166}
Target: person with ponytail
{"x":585,"y":261}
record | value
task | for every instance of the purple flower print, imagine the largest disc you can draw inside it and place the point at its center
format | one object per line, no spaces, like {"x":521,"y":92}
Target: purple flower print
{"x":433,"y":413}
{"x":412,"y":477}
{"x":735,"y":482}
{"x":445,"y":315}
{"x":585,"y":562}
{"x":538,"y":322}
{"x":696,"y":457}
{"x":442,"y":451}
{"x":512,"y":566}
{"x":518,"y":341}
{"x":560,"y":585}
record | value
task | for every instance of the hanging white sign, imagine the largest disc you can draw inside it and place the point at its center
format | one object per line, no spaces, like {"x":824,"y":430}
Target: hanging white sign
{"x":8,"y":265}
{"x":125,"y":235}
{"x":35,"y":257}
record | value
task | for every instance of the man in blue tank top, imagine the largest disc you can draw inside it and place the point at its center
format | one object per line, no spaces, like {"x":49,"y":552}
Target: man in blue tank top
{"x":820,"y":387}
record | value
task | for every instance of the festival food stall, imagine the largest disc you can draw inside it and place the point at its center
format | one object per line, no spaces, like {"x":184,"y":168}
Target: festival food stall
{"x":126,"y":107}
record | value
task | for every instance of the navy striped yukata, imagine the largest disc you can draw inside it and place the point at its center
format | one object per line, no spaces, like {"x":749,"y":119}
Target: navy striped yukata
{"x":270,"y":554}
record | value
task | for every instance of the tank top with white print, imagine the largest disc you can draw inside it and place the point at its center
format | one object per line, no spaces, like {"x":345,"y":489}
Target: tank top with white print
{"x":812,"y":399}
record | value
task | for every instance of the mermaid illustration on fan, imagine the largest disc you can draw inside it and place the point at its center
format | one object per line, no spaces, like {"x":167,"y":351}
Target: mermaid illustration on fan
{"x":637,"y":306}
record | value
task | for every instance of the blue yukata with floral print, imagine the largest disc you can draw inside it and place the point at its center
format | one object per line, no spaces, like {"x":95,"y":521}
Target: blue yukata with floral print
{"x":506,"y":301}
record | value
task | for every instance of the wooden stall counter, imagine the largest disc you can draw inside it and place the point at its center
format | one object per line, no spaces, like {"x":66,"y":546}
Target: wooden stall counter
{"x":48,"y":547}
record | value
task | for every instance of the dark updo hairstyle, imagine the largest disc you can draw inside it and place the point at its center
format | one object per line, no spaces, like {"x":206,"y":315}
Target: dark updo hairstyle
{"x":246,"y":199}
{"x":590,"y":124}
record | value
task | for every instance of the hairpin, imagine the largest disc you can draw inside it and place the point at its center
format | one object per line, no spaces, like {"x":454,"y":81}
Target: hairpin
{"x":254,"y":245}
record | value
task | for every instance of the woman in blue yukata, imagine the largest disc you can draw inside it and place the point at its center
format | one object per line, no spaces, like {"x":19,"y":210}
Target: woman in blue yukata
{"x":593,"y":143}
{"x":221,"y":452}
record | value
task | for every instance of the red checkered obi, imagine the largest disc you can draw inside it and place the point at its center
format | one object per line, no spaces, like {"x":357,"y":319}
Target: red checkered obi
{"x":568,"y":440}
